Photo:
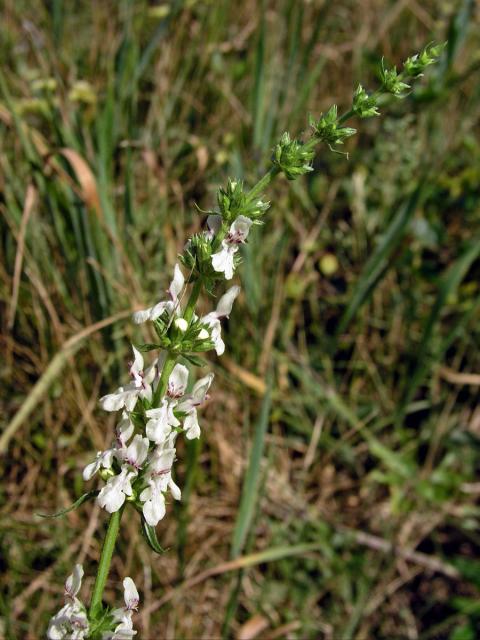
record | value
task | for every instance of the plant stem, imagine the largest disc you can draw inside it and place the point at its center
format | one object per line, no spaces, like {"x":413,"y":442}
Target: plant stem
{"x":104,"y":564}
{"x":192,"y":301}
{"x":346,"y":116}
{"x":263,"y":183}
{"x":163,"y":382}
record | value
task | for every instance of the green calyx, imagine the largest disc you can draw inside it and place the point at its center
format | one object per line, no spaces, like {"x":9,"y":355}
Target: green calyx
{"x":233,"y":201}
{"x":292,"y":157}
{"x":328,"y":128}
{"x":414,"y":66}
{"x":392,"y":81}
{"x":197,"y":257}
{"x":364,"y":105}
{"x":180,"y":337}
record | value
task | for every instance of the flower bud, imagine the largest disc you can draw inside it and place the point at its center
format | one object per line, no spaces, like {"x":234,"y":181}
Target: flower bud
{"x":234,"y":202}
{"x":415,"y":65}
{"x":105,"y":474}
{"x":392,"y":82}
{"x":364,"y":106}
{"x":181,"y":324}
{"x":327,"y":128}
{"x":292,"y":157}
{"x":203,"y":335}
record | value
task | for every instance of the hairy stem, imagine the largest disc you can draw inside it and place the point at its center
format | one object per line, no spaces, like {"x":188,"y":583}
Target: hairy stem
{"x":263,"y":183}
{"x":104,"y":564}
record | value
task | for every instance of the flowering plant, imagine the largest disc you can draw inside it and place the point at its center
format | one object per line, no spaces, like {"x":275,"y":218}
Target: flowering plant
{"x":157,"y":405}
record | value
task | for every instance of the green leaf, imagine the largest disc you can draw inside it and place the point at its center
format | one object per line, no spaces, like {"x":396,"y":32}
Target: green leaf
{"x":195,"y":360}
{"x":150,"y":536}
{"x":448,"y":285}
{"x":85,"y":498}
{"x":393,"y":461}
{"x":379,"y":262}
{"x":148,"y":346}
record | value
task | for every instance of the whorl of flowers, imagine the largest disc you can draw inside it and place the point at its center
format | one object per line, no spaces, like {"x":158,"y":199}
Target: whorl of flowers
{"x":72,"y":623}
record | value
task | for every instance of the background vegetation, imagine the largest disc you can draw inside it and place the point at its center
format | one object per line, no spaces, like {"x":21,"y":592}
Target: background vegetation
{"x":360,"y":303}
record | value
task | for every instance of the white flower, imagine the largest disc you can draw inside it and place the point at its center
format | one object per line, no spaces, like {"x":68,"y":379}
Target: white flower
{"x":124,"y":430}
{"x":190,"y":403}
{"x":124,"y":630}
{"x":212,"y":319}
{"x":214,"y":222}
{"x":159,"y":479}
{"x":73,"y":583}
{"x":136,"y":453}
{"x":152,"y":313}
{"x":161,"y":421}
{"x":113,"y":494}
{"x":103,"y":460}
{"x":71,"y":621}
{"x":177,"y":382}
{"x":222,"y":261}
{"x":130,"y":595}
{"x":126,"y":397}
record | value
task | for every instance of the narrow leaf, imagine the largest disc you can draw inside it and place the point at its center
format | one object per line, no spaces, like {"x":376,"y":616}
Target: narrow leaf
{"x":378,"y":264}
{"x":85,"y":498}
{"x":195,"y":360}
{"x":148,"y":346}
{"x":447,"y":286}
{"x":150,"y":536}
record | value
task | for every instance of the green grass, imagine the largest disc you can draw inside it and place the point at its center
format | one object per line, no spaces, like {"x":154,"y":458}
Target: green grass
{"x":348,"y":497}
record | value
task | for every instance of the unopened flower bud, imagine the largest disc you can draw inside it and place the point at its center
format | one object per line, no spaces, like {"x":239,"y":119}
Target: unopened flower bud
{"x":203,"y":335}
{"x":181,"y":324}
{"x":292,"y":157}
{"x":392,"y":82}
{"x":364,"y":106}
{"x":328,"y":129}
{"x":415,"y":65}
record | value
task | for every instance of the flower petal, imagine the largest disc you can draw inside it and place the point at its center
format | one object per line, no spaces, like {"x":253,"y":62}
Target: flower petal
{"x":191,"y":426}
{"x":240,"y":228}
{"x":136,"y":369}
{"x":113,"y":401}
{"x":222,"y":261}
{"x":176,"y":284}
{"x":177,"y":382}
{"x":225,"y":304}
{"x":130,"y":595}
{"x":136,"y":453}
{"x":201,"y":387}
{"x":74,"y":582}
{"x":154,"y":506}
{"x":142,"y":315}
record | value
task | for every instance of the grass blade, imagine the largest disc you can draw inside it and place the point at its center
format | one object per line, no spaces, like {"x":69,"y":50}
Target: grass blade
{"x":449,"y":283}
{"x":378,"y":264}
{"x":249,"y":498}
